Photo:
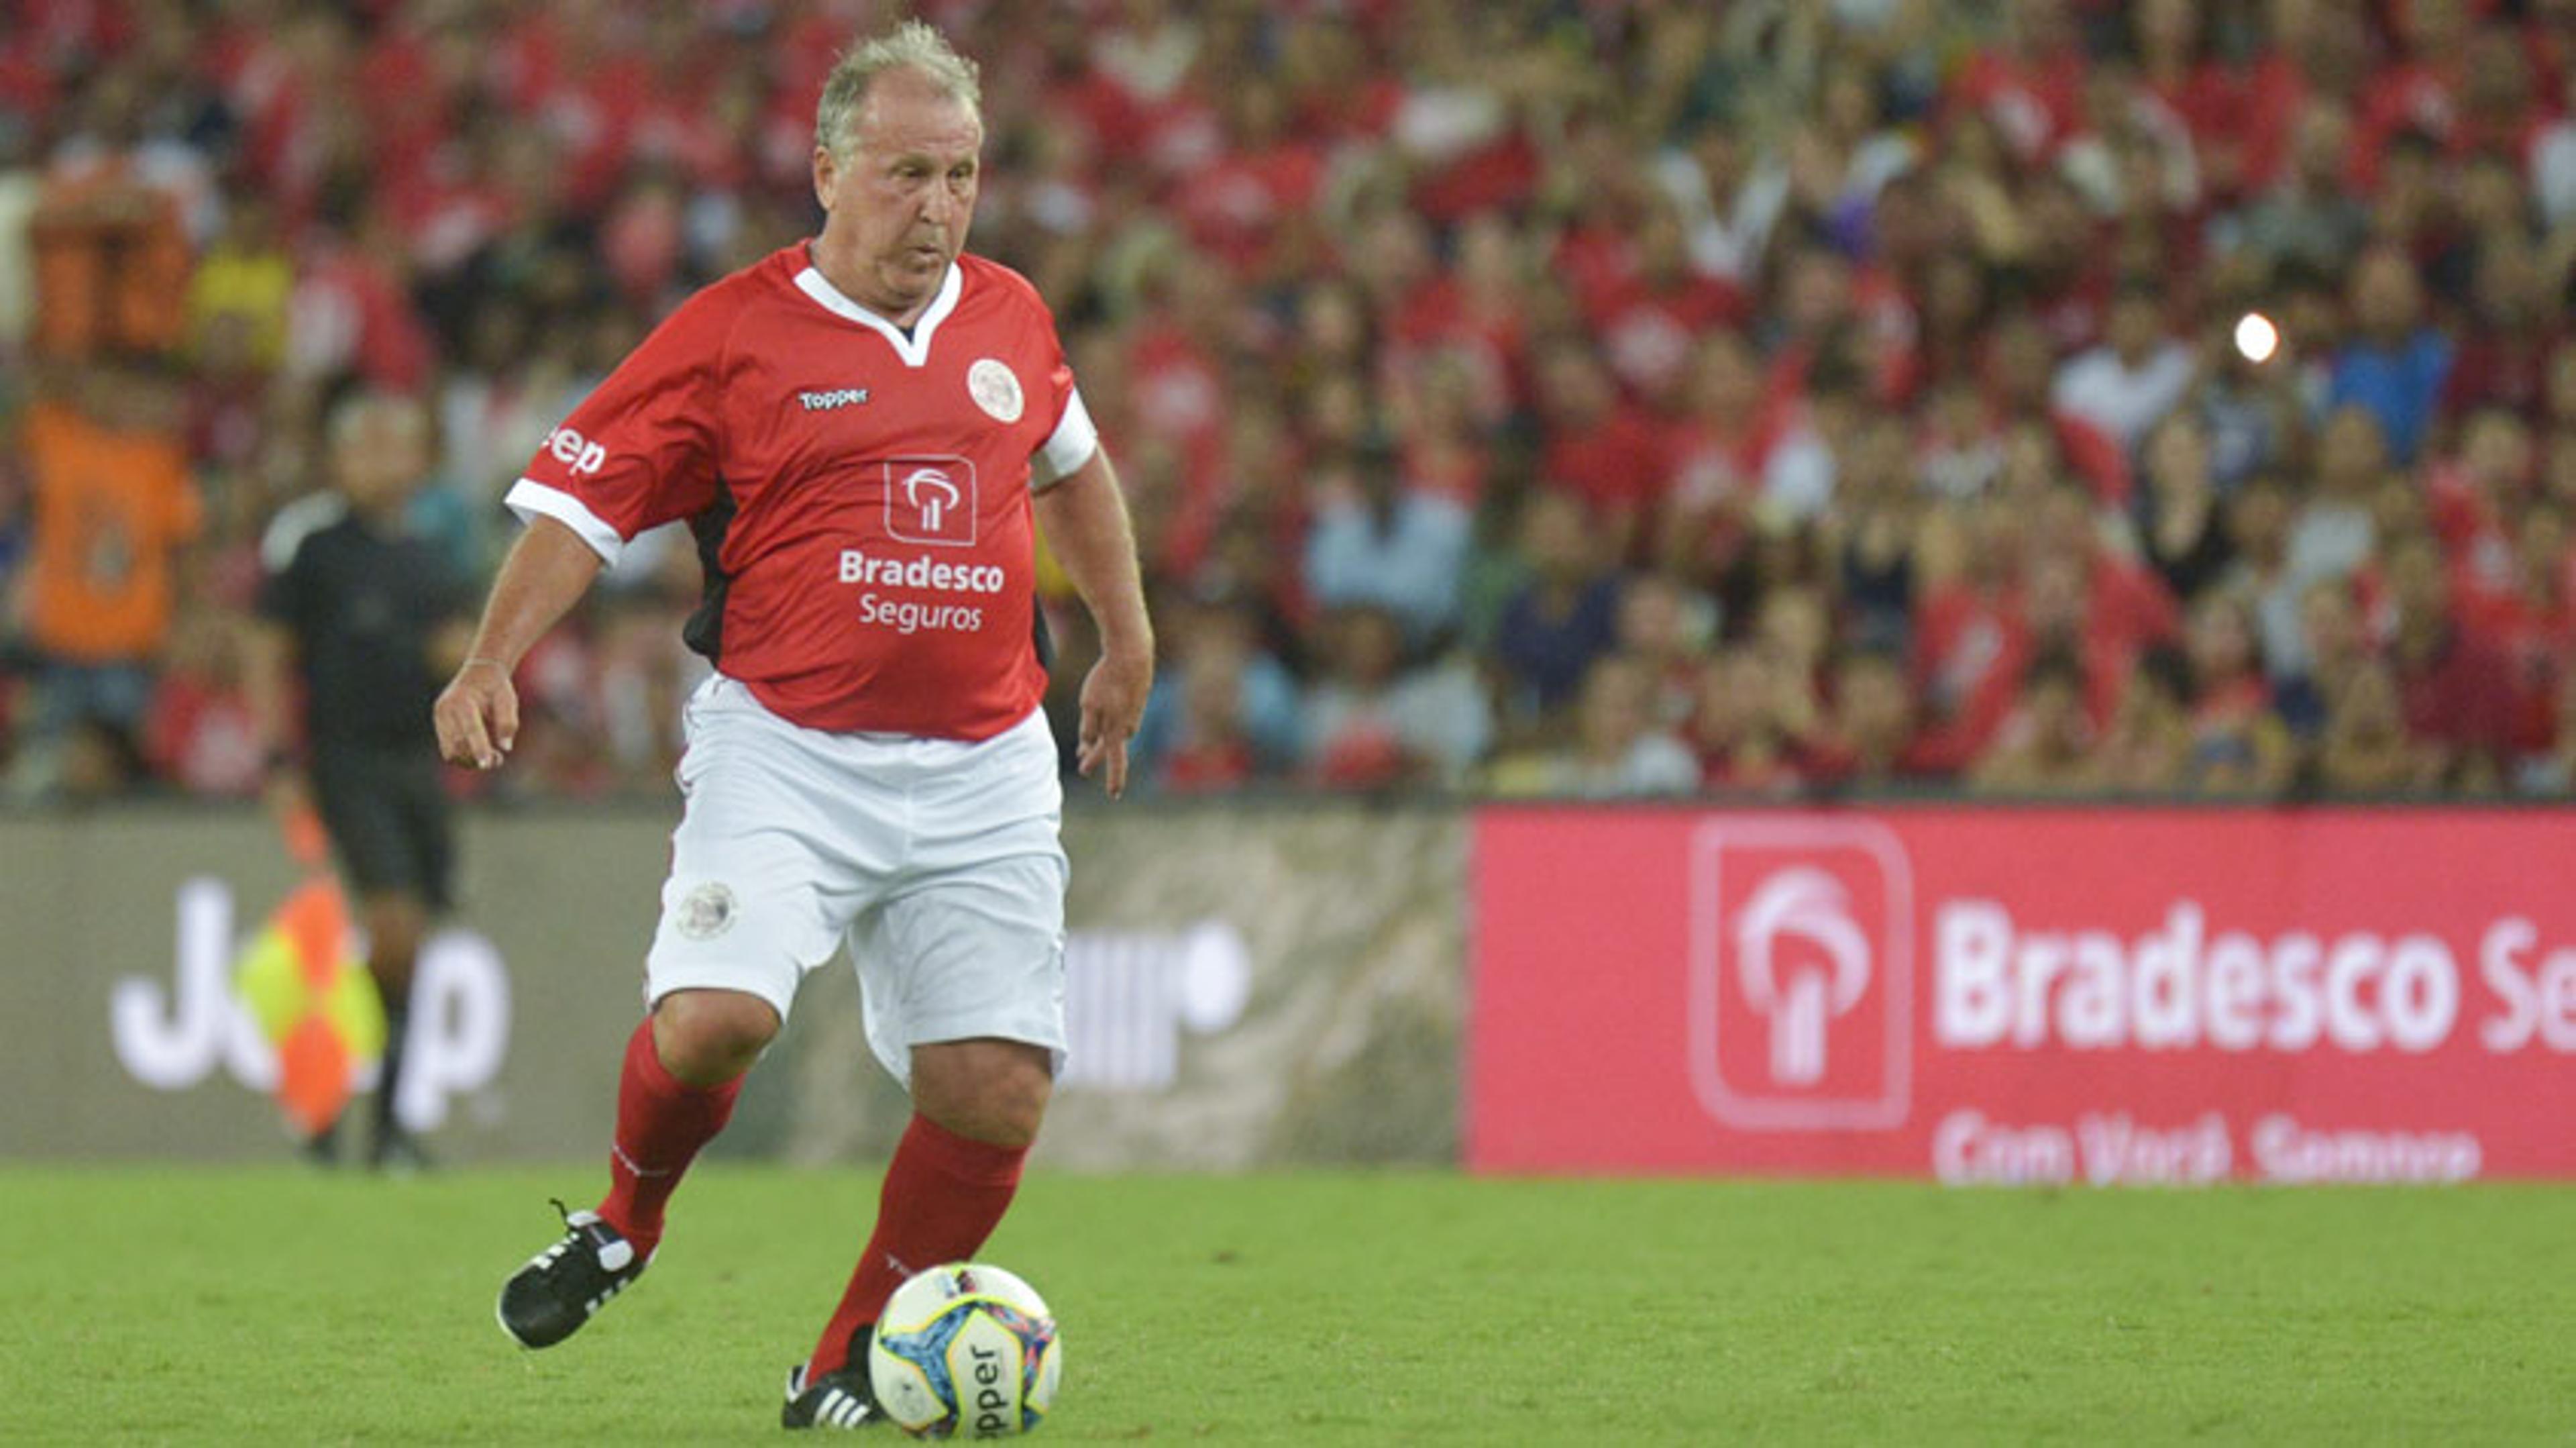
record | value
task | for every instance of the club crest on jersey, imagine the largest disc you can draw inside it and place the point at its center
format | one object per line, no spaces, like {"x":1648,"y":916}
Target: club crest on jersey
{"x":995,"y":389}
{"x":706,"y":912}
{"x":931,"y":500}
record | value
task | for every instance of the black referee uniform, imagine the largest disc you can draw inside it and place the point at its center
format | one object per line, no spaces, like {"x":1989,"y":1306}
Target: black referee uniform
{"x":362,"y":602}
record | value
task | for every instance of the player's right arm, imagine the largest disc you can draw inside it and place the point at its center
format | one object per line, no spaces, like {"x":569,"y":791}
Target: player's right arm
{"x":548,"y":570}
{"x":640,"y":451}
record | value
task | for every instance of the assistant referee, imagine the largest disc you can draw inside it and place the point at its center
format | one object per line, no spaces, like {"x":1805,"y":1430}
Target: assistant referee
{"x":369,"y":619}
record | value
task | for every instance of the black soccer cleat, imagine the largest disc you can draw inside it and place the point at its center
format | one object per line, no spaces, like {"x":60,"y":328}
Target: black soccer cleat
{"x":321,"y":1150}
{"x":399,"y":1154}
{"x":843,"y":1398}
{"x":549,"y":1299}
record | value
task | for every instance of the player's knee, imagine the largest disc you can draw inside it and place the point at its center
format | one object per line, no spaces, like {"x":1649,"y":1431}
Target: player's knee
{"x":709,"y":1037}
{"x":989,"y":1091}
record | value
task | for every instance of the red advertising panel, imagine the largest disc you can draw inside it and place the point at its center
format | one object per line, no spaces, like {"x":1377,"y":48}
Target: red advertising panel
{"x":2025,"y":995}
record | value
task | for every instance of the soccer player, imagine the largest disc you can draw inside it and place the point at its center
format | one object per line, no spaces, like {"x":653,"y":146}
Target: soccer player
{"x":861,"y":430}
{"x":368,"y":618}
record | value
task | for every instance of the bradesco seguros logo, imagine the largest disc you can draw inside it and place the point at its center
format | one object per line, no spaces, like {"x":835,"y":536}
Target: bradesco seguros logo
{"x":1801,"y":975}
{"x":931,"y":500}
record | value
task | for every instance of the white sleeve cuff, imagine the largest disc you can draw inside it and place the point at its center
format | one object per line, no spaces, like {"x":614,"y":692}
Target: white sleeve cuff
{"x":532,"y":500}
{"x":1074,"y":442}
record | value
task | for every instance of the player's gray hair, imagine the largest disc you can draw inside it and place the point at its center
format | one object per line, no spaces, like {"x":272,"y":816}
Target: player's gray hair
{"x":910,"y":46}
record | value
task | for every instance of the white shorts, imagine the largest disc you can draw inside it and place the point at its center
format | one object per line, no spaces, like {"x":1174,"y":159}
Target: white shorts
{"x":939,"y":861}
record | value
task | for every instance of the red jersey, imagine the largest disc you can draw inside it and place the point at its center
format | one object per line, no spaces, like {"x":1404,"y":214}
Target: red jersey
{"x":860,"y":495}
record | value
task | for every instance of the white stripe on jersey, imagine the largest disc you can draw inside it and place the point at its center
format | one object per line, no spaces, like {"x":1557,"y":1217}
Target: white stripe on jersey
{"x":1074,"y":442}
{"x":532,"y":500}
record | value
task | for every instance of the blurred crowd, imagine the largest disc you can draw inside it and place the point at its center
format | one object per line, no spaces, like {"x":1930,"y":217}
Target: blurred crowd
{"x":1539,"y":397}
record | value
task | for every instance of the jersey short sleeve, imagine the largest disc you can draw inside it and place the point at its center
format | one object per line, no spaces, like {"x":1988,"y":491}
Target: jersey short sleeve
{"x":1073,"y":439}
{"x":640,"y":451}
{"x":281,"y":594}
{"x":282,"y":585}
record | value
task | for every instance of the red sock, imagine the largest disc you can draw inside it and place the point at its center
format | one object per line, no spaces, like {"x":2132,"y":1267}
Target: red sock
{"x":661,"y":1123}
{"x":943,"y":1194}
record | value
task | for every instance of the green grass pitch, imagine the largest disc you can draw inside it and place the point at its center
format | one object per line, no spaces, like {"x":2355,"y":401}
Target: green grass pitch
{"x":158,"y":1304}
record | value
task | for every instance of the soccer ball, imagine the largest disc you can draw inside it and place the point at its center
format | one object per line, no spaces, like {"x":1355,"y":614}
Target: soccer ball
{"x":965,"y":1348}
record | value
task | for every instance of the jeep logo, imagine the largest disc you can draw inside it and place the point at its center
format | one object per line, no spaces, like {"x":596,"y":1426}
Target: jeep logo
{"x":575,"y":451}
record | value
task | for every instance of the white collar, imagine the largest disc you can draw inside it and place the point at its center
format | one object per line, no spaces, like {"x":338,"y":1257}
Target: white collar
{"x":915,"y":349}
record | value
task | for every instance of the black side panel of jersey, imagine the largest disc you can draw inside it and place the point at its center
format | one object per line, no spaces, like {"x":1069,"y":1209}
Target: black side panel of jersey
{"x":704,"y":632}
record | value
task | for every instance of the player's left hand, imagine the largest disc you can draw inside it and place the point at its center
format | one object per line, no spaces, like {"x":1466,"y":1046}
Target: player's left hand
{"x":477,"y":716}
{"x":1113,"y":703}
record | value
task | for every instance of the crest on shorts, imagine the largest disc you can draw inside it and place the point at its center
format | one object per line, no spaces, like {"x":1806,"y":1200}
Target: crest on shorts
{"x":995,"y":389}
{"x":706,"y":912}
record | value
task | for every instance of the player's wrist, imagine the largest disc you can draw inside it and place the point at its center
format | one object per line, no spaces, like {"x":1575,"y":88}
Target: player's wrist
{"x":1128,"y":648}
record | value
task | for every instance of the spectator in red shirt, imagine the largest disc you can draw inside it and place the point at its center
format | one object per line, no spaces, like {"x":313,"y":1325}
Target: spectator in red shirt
{"x":2239,"y":746}
{"x":1212,"y":750}
{"x":1747,"y":741}
{"x":2505,"y":347}
{"x":2551,"y":770}
{"x":2475,"y":500}
{"x":2533,"y":626}
{"x":2022,"y":373}
{"x":1721,"y":454}
{"x":1648,"y":317}
{"x":2031,"y":88}
{"x":1953,"y":301}
{"x":2148,"y":748}
{"x":1967,"y":630}
{"x":1870,"y":736}
{"x":1372,"y":723}
{"x":201,"y":733}
{"x":2455,"y":694}
{"x":2238,"y":106}
{"x":1239,"y":206}
{"x":1600,"y":448}
{"x":2044,"y":745}
{"x":2058,"y":615}
{"x":2423,"y":91}
{"x":2367,"y":749}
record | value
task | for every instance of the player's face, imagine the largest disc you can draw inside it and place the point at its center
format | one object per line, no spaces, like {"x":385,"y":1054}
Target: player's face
{"x":902,"y":194}
{"x":376,"y":462}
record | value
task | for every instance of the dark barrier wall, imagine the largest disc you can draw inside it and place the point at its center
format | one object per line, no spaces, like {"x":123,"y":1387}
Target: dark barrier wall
{"x":1245,"y":987}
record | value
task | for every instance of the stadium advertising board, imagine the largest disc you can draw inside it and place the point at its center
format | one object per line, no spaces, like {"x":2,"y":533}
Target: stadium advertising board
{"x":2025,"y":996}
{"x":1213,"y":1024}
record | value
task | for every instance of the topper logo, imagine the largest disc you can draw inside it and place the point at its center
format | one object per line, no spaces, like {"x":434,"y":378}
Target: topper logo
{"x":931,"y":500}
{"x":832,"y":399}
{"x":1801,"y":974}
